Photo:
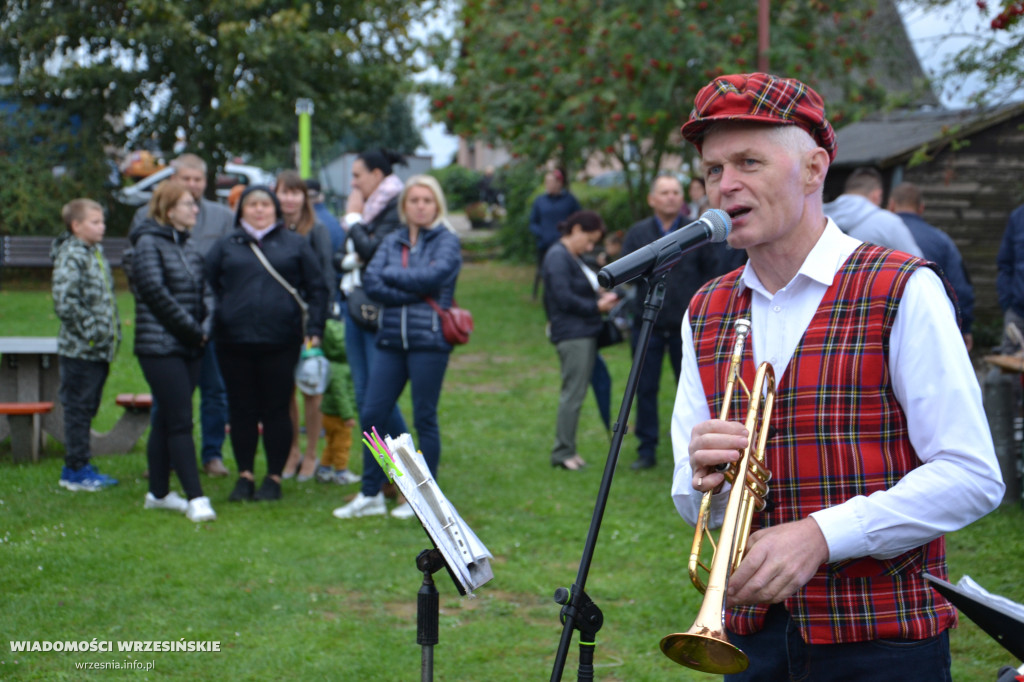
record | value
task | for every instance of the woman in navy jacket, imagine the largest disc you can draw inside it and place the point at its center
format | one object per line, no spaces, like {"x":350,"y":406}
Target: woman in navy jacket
{"x":418,"y":261}
{"x":173,"y":313}
{"x":258,"y":329}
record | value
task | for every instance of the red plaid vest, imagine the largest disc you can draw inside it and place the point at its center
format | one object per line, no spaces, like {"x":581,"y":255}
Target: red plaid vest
{"x":841,"y":433}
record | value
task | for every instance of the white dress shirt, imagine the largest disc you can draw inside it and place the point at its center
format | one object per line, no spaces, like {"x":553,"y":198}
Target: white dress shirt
{"x":934,"y":383}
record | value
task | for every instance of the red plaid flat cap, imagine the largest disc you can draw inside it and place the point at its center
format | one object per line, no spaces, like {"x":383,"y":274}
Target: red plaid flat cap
{"x":760,"y":98}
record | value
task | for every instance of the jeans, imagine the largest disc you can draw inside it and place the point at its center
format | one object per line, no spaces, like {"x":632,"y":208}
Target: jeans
{"x":778,"y":652}
{"x":172,"y":380}
{"x":649,"y":384}
{"x":360,"y":346}
{"x":391,"y":371}
{"x":81,"y":387}
{"x":213,"y":405}
{"x":577,"y":360}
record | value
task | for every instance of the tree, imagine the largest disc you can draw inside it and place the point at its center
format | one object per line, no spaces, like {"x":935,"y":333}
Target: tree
{"x":570,"y":78}
{"x":395,"y":129}
{"x":988,"y":66}
{"x":43,"y":163}
{"x":226,"y":72}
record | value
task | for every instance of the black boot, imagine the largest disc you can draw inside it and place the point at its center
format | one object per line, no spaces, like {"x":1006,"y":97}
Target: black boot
{"x":269,"y":490}
{"x":243,"y":491}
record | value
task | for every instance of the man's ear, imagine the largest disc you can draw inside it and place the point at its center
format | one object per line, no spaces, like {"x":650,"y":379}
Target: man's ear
{"x":815,"y":169}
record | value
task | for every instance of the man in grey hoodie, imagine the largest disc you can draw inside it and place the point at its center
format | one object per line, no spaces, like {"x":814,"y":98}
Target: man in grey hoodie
{"x":858,"y":213}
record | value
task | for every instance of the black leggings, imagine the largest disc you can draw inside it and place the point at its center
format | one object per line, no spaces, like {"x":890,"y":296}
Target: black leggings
{"x":260,"y":380}
{"x":172,"y":380}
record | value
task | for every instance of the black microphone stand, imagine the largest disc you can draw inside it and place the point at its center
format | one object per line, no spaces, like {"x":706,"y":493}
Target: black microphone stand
{"x":579,"y":612}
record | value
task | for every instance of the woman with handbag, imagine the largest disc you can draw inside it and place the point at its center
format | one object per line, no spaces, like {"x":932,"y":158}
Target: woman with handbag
{"x":371,"y":215}
{"x":414,"y":269}
{"x":173,"y":319}
{"x":574,"y":305}
{"x":299,"y":217}
{"x":269,"y":288}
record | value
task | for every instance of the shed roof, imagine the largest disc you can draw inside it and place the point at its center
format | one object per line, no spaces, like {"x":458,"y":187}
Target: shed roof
{"x":892,"y":138}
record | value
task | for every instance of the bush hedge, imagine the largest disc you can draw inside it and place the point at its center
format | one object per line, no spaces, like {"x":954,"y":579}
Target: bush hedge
{"x":523,"y":184}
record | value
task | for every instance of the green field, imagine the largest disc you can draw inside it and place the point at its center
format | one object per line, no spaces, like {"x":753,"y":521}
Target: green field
{"x":288,"y":591}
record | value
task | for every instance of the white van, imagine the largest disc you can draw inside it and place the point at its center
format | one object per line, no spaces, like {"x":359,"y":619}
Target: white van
{"x":233,"y":174}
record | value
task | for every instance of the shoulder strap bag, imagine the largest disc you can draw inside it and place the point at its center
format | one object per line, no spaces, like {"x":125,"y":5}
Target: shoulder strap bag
{"x":303,"y":306}
{"x":456,"y":322}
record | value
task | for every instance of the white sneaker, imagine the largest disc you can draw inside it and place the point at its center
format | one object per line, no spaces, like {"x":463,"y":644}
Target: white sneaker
{"x":346,"y":477}
{"x":172,"y":501}
{"x":403,"y":511}
{"x":362,"y":506}
{"x":199,"y":509}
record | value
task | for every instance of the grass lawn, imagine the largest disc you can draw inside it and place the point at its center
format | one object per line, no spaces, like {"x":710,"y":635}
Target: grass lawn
{"x":291,"y":592}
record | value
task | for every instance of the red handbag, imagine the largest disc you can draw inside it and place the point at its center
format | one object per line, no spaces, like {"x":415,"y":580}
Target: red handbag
{"x":456,"y":322}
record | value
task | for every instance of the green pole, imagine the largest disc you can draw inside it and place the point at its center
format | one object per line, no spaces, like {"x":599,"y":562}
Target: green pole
{"x":304,"y":110}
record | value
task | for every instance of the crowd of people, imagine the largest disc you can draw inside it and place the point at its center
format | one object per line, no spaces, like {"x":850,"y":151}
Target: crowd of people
{"x":242,"y":305}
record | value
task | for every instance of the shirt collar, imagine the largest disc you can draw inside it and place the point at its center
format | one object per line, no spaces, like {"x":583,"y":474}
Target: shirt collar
{"x":665,"y":229}
{"x":821,"y":265}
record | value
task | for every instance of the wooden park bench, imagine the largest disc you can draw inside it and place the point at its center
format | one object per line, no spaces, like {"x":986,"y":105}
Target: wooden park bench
{"x":20,"y":251}
{"x":26,"y":428}
{"x":128,"y":429}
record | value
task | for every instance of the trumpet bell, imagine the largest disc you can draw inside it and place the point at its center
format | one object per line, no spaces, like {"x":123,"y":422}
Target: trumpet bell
{"x":706,"y":651}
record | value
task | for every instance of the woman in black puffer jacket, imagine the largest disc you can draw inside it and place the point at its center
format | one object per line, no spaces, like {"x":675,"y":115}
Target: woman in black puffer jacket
{"x":258,"y":330}
{"x":173,"y":314}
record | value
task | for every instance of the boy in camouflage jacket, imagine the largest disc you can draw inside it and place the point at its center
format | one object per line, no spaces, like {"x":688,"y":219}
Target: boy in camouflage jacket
{"x":90,"y":332}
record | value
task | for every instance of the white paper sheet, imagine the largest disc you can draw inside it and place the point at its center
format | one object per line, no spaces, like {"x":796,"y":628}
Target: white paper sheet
{"x":465,"y":555}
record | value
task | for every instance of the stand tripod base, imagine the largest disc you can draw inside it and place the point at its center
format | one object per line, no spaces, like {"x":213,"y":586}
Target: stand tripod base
{"x":707,"y":653}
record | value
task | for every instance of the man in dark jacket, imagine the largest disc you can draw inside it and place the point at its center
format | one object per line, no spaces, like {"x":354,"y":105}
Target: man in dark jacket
{"x":938,"y":247}
{"x":695,"y":268}
{"x":1010,"y":280}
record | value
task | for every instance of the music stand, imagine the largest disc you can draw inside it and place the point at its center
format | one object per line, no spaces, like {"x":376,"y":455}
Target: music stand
{"x":455,"y":546}
{"x":1004,"y":627}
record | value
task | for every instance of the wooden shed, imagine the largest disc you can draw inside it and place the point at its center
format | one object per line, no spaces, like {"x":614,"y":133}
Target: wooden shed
{"x":969,"y":165}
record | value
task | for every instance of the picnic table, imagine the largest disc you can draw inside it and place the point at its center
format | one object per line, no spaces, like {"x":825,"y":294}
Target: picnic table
{"x":29,"y":386}
{"x":30,"y":375}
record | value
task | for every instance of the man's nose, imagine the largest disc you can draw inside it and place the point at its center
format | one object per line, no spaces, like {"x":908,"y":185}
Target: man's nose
{"x":729,"y":180}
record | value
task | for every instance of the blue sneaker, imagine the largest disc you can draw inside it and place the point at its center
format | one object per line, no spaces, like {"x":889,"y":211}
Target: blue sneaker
{"x":87,"y":478}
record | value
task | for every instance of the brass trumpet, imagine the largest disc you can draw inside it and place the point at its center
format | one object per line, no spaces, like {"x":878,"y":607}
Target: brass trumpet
{"x":705,"y":646}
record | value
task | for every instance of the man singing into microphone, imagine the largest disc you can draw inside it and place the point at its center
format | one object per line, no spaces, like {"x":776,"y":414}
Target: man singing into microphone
{"x":882,"y":445}
{"x":695,"y":268}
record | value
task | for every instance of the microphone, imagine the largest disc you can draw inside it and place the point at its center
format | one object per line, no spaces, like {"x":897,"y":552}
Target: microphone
{"x":662,"y":255}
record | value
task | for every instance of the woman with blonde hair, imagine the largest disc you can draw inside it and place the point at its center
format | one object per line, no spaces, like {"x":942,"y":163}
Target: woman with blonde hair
{"x":300,"y":217}
{"x":415,"y":266}
{"x":173,"y":322}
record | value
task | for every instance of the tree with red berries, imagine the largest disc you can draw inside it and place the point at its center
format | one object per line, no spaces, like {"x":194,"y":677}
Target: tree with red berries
{"x":567,"y":79}
{"x":989,"y":68}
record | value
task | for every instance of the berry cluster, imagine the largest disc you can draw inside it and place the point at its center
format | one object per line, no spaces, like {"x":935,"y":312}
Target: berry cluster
{"x":1009,"y":16}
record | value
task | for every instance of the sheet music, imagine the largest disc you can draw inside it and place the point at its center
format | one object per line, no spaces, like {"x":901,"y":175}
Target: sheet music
{"x":968,"y":585}
{"x":465,"y":555}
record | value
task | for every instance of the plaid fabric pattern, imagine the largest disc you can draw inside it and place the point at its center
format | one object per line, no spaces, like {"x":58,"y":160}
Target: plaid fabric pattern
{"x":841,"y":433}
{"x":761,"y":98}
